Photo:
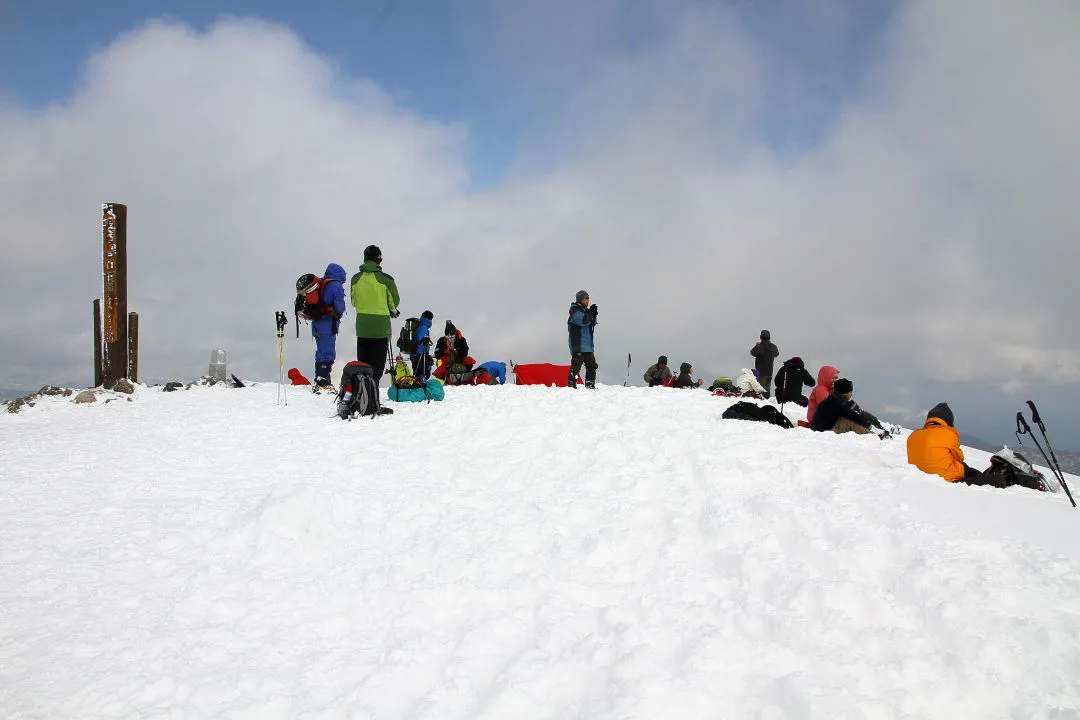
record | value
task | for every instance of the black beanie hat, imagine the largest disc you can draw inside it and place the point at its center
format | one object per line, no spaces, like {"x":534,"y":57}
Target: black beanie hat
{"x":765,"y":335}
{"x":662,"y":360}
{"x":942,"y":411}
{"x":427,"y":315}
{"x":449,"y":329}
{"x":372,"y":252}
{"x":843,"y":386}
{"x":685,"y":368}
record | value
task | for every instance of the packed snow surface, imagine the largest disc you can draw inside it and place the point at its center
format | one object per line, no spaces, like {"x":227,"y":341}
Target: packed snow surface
{"x":514,"y":552}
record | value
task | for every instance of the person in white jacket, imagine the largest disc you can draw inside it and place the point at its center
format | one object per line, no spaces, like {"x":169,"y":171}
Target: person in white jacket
{"x":748,"y":383}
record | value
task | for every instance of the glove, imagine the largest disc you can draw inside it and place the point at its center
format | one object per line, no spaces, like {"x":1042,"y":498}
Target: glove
{"x":395,"y":313}
{"x":593,"y":310}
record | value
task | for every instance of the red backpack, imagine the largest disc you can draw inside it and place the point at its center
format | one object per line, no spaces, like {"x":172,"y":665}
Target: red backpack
{"x":309,"y":304}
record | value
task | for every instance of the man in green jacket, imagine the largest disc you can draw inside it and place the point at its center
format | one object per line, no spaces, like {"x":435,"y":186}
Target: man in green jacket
{"x":374,"y":294}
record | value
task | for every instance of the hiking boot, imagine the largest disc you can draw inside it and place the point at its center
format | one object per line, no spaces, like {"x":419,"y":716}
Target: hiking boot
{"x":590,"y":384}
{"x":571,"y":381}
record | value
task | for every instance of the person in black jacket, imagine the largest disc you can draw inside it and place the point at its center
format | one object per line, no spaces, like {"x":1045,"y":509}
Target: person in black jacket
{"x":838,"y":413}
{"x":685,"y":378}
{"x":790,"y":380}
{"x":452,"y":347}
{"x":764,"y":352}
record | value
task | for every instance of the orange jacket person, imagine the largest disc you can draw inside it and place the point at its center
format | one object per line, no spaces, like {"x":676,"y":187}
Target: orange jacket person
{"x":935,"y":448}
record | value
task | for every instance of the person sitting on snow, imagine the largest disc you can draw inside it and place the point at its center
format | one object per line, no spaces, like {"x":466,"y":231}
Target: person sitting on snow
{"x":837,"y":411}
{"x":658,"y":373}
{"x":452,"y":347}
{"x":789,"y":382}
{"x":748,"y":384}
{"x":935,"y":448}
{"x":685,"y":378}
{"x":826,"y":376}
{"x":401,"y":368}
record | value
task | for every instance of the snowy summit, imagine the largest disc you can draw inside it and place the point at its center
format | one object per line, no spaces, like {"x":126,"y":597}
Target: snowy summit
{"x":514,"y":552}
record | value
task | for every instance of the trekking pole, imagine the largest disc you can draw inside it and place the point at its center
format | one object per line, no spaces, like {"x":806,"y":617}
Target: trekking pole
{"x":389,"y":357}
{"x":1022,"y":428}
{"x":1057,"y":466}
{"x":625,"y":384}
{"x":281,"y":319}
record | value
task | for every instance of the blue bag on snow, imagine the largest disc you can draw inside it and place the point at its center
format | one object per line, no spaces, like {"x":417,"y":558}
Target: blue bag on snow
{"x":432,"y":390}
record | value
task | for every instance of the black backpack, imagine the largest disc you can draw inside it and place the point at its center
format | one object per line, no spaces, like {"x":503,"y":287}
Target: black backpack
{"x":406,"y":341}
{"x":743,"y":410}
{"x":1005,"y":472}
{"x":358,"y":395}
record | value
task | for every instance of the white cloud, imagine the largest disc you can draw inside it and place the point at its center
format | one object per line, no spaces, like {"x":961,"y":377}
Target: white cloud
{"x":930,"y":235}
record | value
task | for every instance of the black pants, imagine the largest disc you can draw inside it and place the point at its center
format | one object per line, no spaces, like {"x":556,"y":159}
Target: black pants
{"x":373,"y":351}
{"x":589,"y":360}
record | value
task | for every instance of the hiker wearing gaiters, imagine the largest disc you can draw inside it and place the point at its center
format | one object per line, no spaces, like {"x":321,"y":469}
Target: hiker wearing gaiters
{"x":374,"y":294}
{"x":581,"y":324}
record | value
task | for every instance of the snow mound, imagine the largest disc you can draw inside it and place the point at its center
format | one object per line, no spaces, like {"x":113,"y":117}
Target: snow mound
{"x":518,"y":552}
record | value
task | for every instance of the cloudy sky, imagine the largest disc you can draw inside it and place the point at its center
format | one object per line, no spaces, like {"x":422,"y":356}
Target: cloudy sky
{"x":889,"y":187}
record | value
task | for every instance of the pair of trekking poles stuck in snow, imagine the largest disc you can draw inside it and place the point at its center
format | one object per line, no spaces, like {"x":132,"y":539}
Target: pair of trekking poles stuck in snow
{"x":1022,"y":428}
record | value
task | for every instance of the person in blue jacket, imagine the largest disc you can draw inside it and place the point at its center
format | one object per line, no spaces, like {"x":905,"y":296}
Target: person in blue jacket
{"x":325,"y":329}
{"x":421,"y":359}
{"x":580,"y":325}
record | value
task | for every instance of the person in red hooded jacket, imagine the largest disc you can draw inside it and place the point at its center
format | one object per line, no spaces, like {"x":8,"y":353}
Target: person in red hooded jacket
{"x":826,"y":376}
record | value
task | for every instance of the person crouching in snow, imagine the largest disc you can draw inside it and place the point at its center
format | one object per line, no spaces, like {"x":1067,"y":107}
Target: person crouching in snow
{"x":789,"y":382}
{"x":658,"y":373}
{"x":452,"y":349}
{"x":748,"y":384}
{"x":685,"y":379}
{"x":935,"y":448}
{"x":837,"y":411}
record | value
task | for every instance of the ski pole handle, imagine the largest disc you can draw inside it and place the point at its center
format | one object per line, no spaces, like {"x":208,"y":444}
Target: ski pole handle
{"x":1035,"y":416}
{"x":1022,"y":428}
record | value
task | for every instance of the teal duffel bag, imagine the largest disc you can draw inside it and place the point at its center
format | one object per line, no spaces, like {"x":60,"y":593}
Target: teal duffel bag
{"x":432,"y":390}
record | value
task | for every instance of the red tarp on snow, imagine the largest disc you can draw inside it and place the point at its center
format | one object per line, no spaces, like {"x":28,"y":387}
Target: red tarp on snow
{"x":542,"y":374}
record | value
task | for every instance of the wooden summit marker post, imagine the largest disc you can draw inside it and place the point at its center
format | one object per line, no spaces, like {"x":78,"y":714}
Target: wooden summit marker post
{"x":112,"y":357}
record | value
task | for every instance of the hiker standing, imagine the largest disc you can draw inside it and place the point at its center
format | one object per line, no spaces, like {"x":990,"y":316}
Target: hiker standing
{"x":421,"y":357}
{"x":580,"y":325}
{"x":764,"y":352}
{"x":790,"y":380}
{"x":325,"y":329}
{"x":658,"y":373}
{"x":374,"y":294}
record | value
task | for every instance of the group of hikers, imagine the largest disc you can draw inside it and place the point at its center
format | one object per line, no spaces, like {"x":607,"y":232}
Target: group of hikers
{"x":375,"y":299}
{"x":830,"y":407}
